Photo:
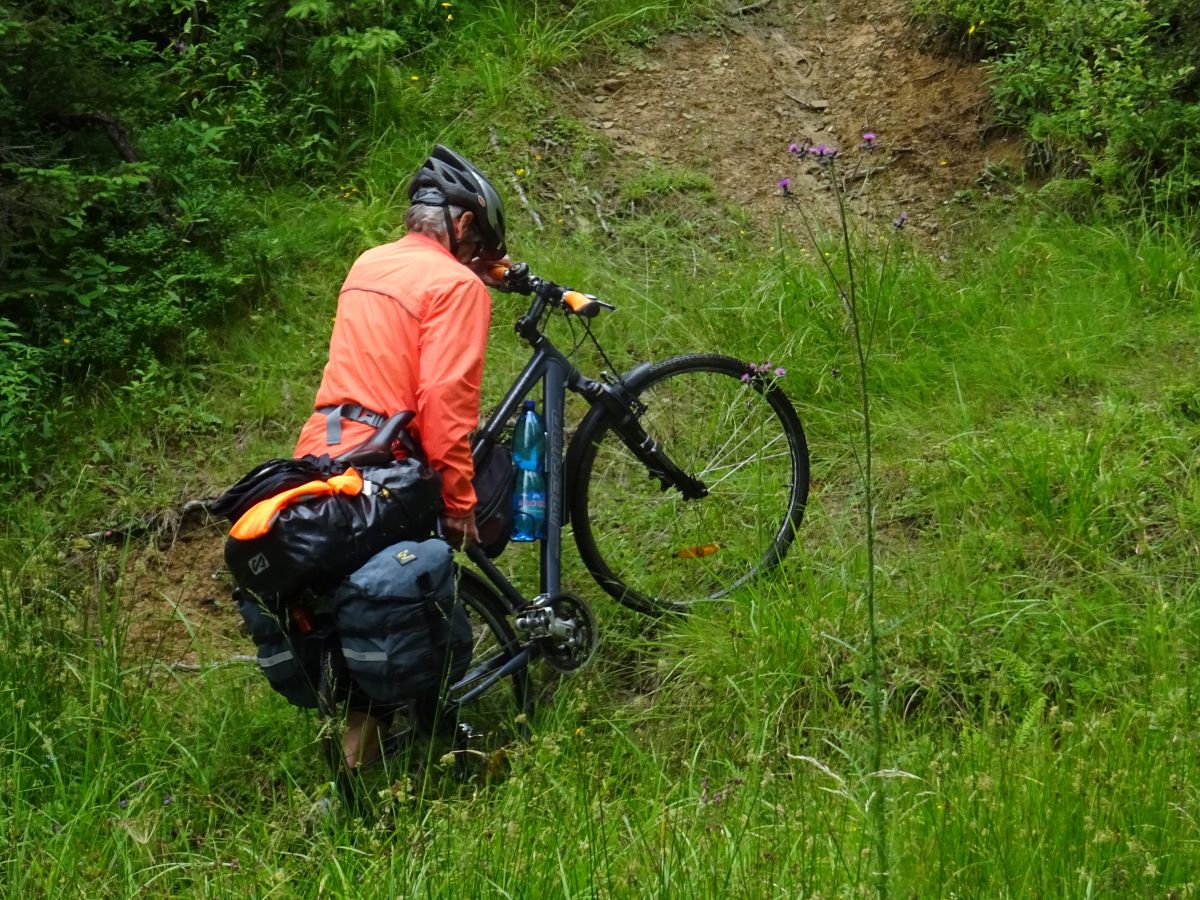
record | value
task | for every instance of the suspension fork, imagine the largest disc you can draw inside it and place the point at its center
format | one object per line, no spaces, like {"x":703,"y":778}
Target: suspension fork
{"x":618,"y":404}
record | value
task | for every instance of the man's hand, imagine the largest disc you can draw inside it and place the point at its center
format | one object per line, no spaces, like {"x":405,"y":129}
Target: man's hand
{"x":459,"y":531}
{"x":483,"y":268}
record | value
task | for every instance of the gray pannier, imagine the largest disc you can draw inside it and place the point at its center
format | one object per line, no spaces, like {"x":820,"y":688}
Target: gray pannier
{"x":402,"y":630}
{"x":290,"y":659}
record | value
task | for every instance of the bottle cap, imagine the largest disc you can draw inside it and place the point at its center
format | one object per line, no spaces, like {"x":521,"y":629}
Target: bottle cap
{"x":530,"y":404}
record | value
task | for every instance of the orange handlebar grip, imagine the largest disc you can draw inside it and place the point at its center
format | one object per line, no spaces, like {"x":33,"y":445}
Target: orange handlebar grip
{"x":581,"y":304}
{"x":498,"y":271}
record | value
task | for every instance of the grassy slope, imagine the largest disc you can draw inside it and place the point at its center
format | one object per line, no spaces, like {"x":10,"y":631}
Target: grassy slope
{"x":1038,"y":410}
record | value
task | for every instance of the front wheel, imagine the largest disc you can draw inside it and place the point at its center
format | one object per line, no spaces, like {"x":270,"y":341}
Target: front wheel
{"x":721,"y":422}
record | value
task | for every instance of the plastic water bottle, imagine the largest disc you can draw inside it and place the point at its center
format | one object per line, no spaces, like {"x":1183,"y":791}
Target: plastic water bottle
{"x":529,"y":439}
{"x":529,"y":496}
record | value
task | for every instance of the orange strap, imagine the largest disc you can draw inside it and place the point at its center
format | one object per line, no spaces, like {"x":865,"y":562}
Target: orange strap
{"x":259,"y":518}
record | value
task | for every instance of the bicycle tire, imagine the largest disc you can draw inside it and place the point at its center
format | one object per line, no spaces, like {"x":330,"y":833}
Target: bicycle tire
{"x":500,"y":716}
{"x":719,"y":420}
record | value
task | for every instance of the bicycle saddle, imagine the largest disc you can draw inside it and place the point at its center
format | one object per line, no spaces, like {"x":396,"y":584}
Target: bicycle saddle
{"x":377,"y":449}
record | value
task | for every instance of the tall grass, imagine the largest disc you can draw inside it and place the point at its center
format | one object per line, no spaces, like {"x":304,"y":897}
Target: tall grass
{"x":1037,"y":549}
{"x":1036,"y":410}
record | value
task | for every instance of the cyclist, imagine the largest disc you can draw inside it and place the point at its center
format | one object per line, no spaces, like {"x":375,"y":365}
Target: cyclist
{"x":410,"y":333}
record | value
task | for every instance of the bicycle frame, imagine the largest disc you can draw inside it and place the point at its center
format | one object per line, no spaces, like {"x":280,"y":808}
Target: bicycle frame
{"x":558,"y":374}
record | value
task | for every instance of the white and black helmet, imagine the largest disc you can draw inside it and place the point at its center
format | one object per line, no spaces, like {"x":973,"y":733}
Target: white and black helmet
{"x":449,"y":179}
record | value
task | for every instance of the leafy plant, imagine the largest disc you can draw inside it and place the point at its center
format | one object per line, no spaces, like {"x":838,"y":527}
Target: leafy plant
{"x":1108,"y":90}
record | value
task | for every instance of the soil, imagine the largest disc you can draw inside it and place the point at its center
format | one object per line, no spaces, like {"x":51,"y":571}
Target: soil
{"x":181,"y":611}
{"x":727,"y":102}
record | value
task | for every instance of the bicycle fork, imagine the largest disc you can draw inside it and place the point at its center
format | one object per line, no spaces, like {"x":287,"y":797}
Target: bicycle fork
{"x":626,"y":411}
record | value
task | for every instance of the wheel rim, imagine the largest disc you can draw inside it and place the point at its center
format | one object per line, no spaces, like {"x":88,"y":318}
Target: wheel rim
{"x":654,"y":550}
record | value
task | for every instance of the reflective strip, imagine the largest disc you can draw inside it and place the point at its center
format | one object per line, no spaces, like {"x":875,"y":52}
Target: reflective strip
{"x":266,"y":662}
{"x":367,"y":656}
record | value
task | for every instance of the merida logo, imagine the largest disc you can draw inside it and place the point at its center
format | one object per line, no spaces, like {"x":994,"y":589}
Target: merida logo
{"x":259,"y":563}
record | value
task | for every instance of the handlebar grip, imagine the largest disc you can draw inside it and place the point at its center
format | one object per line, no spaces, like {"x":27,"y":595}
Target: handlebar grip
{"x":581,"y":304}
{"x":497,"y":271}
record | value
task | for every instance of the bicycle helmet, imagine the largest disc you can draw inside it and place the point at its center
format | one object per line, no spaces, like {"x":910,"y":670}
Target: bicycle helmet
{"x":447,"y":178}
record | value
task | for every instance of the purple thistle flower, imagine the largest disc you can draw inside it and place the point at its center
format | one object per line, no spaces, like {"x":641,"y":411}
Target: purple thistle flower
{"x":900,"y":221}
{"x":784,"y":184}
{"x":868,"y":137}
{"x":780,"y":372}
{"x":746,"y":378}
{"x":793,"y":147}
{"x":823,"y":153}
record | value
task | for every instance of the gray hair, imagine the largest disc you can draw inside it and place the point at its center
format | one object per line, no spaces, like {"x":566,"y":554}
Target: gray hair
{"x":431,"y":220}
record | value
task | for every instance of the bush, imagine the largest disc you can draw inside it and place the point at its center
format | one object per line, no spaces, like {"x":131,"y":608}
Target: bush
{"x":133,"y":139}
{"x":1108,"y":90}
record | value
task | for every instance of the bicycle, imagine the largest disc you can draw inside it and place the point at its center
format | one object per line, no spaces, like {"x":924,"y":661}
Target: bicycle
{"x":684,"y":481}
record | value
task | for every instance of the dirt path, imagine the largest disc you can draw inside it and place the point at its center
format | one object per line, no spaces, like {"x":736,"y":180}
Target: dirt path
{"x":726,"y":102}
{"x":729,"y":101}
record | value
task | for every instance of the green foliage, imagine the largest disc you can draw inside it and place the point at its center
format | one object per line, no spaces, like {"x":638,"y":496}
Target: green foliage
{"x":1108,"y":91}
{"x":22,"y":394}
{"x":135,"y":136}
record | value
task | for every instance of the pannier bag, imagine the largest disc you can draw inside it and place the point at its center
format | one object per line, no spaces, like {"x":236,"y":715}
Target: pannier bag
{"x":289,"y":659}
{"x":311,"y":535}
{"x":402,"y":630}
{"x":493,"y":494}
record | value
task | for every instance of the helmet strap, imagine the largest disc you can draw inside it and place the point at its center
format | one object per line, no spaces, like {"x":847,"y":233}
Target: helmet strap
{"x":450,"y":233}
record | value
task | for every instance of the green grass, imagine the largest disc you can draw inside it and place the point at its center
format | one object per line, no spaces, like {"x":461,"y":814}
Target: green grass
{"x":1037,"y":410}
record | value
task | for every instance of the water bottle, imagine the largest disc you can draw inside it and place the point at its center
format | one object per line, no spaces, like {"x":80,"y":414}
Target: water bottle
{"x":529,"y":495}
{"x":529,"y":439}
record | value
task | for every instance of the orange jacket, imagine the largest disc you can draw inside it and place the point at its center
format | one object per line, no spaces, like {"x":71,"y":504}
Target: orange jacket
{"x":410,"y":333}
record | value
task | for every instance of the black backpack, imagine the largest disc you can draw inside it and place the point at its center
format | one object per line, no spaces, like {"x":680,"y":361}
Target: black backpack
{"x":494,"y":483}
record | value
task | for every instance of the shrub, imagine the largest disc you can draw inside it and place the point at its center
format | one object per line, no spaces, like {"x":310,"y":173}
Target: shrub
{"x":1108,"y":90}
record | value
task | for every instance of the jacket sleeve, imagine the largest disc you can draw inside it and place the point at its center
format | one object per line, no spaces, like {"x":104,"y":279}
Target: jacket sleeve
{"x":454,"y":333}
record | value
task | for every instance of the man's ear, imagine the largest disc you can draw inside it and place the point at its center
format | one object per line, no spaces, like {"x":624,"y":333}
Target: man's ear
{"x":463,"y":223}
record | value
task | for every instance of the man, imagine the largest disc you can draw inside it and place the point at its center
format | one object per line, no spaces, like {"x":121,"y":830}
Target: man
{"x":410,"y":333}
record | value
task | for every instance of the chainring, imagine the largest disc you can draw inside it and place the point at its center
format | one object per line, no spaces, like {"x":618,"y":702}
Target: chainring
{"x":568,"y":653}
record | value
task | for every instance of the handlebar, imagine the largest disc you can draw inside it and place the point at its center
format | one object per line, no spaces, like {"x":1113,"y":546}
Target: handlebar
{"x":518,"y":279}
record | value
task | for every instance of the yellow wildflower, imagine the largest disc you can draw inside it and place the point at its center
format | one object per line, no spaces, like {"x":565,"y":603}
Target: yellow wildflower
{"x":66,"y":340}
{"x":414,"y":77}
{"x":520,"y":171}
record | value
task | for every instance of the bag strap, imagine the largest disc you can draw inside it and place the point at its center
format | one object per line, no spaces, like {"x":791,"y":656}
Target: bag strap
{"x":439,"y":619}
{"x":354,"y":412}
